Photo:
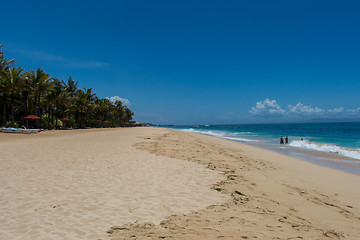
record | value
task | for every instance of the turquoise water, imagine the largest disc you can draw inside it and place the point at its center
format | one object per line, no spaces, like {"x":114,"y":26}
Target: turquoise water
{"x":339,"y":142}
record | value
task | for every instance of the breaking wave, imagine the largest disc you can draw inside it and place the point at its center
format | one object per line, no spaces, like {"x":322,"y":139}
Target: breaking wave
{"x":328,"y":148}
{"x":219,"y":134}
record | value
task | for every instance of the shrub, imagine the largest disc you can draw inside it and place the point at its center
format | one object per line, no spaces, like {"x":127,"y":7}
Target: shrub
{"x":44,"y":122}
{"x":8,"y":124}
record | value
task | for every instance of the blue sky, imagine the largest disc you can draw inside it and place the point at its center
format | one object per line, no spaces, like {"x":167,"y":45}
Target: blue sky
{"x":198,"y":62}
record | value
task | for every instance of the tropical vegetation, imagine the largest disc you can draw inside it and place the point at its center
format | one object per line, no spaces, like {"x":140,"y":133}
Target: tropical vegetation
{"x":55,"y":101}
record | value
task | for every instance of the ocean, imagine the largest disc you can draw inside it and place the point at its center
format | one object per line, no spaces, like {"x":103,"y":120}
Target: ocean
{"x":335,"y":145}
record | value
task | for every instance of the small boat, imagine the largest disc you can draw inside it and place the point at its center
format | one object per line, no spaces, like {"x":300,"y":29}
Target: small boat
{"x":20,"y":130}
{"x":64,"y":128}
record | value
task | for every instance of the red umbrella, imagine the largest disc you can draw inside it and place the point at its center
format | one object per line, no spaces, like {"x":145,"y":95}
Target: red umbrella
{"x":32,"y":117}
{"x":106,"y":122}
{"x":64,"y":119}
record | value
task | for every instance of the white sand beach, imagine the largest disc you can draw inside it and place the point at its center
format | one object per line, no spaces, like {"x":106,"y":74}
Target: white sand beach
{"x":150,"y":183}
{"x":76,"y":185}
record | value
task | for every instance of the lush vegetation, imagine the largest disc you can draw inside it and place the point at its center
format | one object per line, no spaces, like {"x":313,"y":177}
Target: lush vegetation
{"x":24,"y":93}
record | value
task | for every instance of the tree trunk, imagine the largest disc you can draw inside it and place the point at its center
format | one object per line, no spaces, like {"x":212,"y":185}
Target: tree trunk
{"x":35,"y":104}
{"x":38,"y":106}
{"x":38,"y":112}
{"x":26,"y":106}
{"x":27,"y":98}
{"x":56,"y":115}
{"x":4,"y":111}
{"x":12,"y":110}
{"x":81,"y":118}
{"x":49,"y":118}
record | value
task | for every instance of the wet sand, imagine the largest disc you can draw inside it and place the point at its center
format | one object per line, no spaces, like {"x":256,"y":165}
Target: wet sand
{"x":148,"y":183}
{"x":332,"y":160}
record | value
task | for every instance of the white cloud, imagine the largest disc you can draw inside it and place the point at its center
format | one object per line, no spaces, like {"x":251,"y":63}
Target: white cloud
{"x":305,"y":110}
{"x":335,"y":112}
{"x":267,"y":108}
{"x":124,"y":101}
{"x":270,"y":108}
{"x":354,"y":111}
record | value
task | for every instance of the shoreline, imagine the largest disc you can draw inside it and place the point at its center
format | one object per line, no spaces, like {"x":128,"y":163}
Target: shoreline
{"x":330,"y":160}
{"x":326,"y":159}
{"x":164,"y":183}
{"x":273,"y":196}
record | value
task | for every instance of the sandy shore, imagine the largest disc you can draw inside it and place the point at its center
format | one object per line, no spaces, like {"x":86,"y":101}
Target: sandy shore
{"x":148,"y":183}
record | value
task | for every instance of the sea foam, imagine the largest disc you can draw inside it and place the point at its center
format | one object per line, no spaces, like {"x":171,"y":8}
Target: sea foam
{"x":229,"y":136}
{"x":347,"y":152}
{"x":211,"y":133}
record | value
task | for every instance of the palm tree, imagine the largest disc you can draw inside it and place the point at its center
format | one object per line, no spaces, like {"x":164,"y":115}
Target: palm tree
{"x":21,"y":91}
{"x":128,"y":114}
{"x":90,"y":101}
{"x":13,"y":80}
{"x":49,"y":98}
{"x":82,"y":102}
{"x":26,"y":95}
{"x":72,"y":86}
{"x":59,"y":93}
{"x":119,"y":111}
{"x":3,"y":97}
{"x":4,"y":65}
{"x":104,"y":108}
{"x":40,"y":83}
{"x":64,"y":101}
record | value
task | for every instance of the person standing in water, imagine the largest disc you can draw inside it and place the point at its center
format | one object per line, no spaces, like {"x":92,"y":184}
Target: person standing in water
{"x":286,"y":140}
{"x":281,"y":140}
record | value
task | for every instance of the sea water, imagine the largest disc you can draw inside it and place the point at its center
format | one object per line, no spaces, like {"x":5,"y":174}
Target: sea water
{"x":335,"y":145}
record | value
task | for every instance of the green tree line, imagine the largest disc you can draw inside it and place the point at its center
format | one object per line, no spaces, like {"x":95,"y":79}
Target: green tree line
{"x":34,"y":92}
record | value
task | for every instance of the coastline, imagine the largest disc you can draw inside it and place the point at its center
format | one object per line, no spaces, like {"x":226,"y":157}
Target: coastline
{"x":327,"y":159}
{"x":176,"y":185}
{"x":330,"y":160}
{"x":273,"y":196}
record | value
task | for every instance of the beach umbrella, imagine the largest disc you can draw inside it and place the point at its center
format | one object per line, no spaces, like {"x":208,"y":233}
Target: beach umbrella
{"x":64,"y":120}
{"x":32,"y":117}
